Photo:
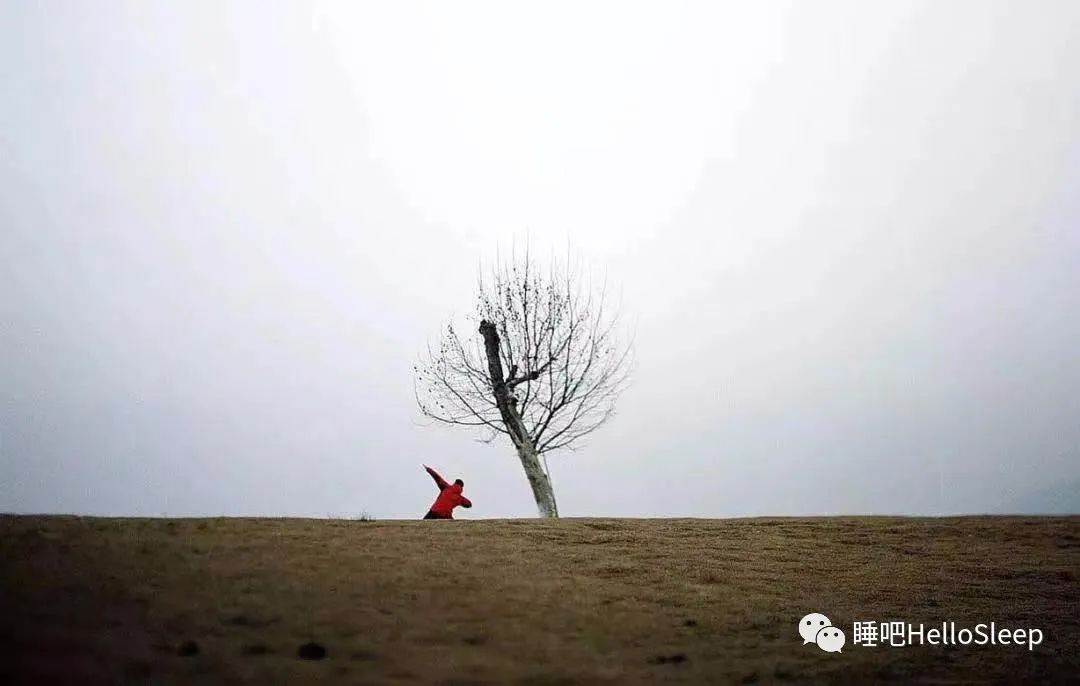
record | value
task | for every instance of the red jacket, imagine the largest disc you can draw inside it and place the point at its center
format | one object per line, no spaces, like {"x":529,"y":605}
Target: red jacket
{"x":449,"y":496}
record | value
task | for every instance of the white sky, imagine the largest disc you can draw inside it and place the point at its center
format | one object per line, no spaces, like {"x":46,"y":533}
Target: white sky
{"x":847,"y":233}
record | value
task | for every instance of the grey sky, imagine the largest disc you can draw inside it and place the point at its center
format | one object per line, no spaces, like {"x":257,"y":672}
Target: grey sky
{"x":848,"y":234}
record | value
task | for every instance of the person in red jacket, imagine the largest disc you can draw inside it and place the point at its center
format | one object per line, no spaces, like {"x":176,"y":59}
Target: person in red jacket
{"x":449,"y":497}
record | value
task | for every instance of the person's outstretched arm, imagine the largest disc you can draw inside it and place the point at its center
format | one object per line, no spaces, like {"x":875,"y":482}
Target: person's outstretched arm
{"x":439,"y":481}
{"x":465,"y":502}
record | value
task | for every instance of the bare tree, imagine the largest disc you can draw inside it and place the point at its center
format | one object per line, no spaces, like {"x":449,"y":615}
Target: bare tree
{"x":545,"y":369}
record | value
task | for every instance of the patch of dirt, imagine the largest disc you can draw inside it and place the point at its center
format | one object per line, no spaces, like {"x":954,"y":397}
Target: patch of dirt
{"x":613,"y":601}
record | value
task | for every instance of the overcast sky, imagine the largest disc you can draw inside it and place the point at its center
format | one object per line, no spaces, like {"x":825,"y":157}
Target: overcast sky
{"x":848,"y":234}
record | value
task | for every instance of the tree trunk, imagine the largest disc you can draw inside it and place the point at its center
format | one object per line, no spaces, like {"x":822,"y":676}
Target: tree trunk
{"x":538,"y":480}
{"x":523,"y":442}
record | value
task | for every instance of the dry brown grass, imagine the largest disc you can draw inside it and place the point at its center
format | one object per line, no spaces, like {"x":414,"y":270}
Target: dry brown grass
{"x":529,"y":602}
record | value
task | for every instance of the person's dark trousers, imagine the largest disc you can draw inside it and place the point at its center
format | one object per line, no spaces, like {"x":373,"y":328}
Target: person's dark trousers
{"x":435,"y":515}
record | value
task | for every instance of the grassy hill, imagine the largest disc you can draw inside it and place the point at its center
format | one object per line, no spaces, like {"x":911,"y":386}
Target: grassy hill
{"x":89,"y":600}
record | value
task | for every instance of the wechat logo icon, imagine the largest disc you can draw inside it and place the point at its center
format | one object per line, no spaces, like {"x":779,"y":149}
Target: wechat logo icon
{"x":816,"y":628}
